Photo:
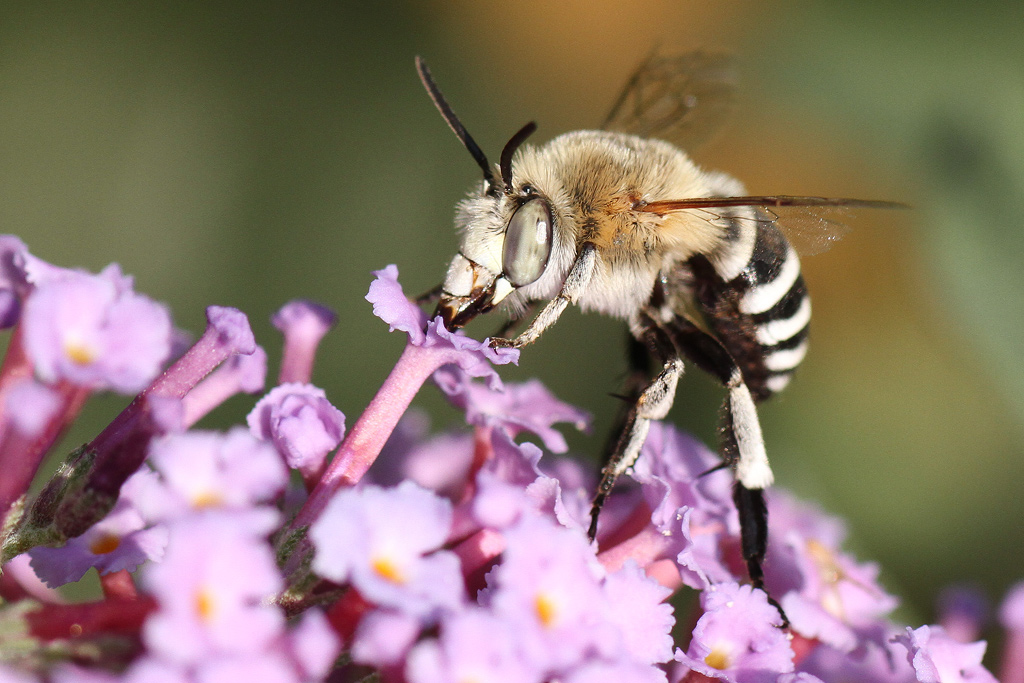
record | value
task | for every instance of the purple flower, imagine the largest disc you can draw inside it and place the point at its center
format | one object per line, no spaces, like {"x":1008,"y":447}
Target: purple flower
{"x":873,"y":663}
{"x":31,"y":406}
{"x":548,"y":587}
{"x":826,"y":594}
{"x":227,"y":334}
{"x":385,"y":543}
{"x":69,"y":673}
{"x":738,"y":638}
{"x":511,"y":484}
{"x":240,"y":373}
{"x":1011,"y":612}
{"x":516,"y":407}
{"x":474,"y":645}
{"x":19,"y":571}
{"x":384,"y":637}
{"x":937,"y":658}
{"x":122,"y":540}
{"x":440,"y":463}
{"x":312,"y":645}
{"x":259,"y":667}
{"x":303,"y":324}
{"x":635,"y":605}
{"x":149,"y":669}
{"x":605,"y":672}
{"x":429,"y":348}
{"x":13,"y":282}
{"x":798,"y":677}
{"x":301,"y":423}
{"x":94,"y":332}
{"x":694,"y":514}
{"x":305,"y":653}
{"x":9,"y":675}
{"x":391,"y":306}
{"x":963,"y":611}
{"x":208,"y":605}
{"x":203,"y":470}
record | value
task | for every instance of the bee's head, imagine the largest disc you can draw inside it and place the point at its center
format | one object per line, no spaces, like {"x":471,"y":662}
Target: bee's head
{"x":506,"y":245}
{"x":507,"y":230}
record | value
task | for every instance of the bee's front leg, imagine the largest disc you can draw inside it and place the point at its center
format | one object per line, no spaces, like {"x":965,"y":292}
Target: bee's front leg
{"x":576,"y":282}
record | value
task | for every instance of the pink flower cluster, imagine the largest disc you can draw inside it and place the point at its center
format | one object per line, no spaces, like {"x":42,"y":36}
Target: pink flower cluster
{"x":447,"y":558}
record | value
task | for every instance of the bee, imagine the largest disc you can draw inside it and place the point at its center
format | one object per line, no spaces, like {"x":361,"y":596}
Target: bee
{"x":622,"y":222}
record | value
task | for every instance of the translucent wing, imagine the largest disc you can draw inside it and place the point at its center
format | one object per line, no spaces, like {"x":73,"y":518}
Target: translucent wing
{"x":812,"y":224}
{"x":682,"y":99}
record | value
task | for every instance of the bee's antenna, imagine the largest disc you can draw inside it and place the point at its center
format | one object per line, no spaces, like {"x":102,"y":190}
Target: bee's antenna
{"x":505,"y":163}
{"x":453,"y":122}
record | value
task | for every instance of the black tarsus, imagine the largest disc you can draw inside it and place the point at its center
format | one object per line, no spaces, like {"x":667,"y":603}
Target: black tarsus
{"x":753,"y":512}
{"x":505,"y":162}
{"x":453,"y":122}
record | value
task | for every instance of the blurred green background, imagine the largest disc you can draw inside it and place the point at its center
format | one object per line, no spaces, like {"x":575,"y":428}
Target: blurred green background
{"x":245,"y":154}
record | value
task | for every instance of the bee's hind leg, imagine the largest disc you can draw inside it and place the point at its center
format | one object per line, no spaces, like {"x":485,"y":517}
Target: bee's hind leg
{"x":742,"y":446}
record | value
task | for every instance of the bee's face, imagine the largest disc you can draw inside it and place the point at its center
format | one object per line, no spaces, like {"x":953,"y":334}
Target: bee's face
{"x":507,"y":245}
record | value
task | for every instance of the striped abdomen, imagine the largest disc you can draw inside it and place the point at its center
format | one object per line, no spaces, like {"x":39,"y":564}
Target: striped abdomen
{"x":761,"y":316}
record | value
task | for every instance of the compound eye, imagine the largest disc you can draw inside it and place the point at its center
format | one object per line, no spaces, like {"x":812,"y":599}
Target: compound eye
{"x":527,"y":243}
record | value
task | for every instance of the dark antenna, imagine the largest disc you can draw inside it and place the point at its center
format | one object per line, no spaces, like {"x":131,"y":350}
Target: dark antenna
{"x":453,"y":122}
{"x":505,"y":163}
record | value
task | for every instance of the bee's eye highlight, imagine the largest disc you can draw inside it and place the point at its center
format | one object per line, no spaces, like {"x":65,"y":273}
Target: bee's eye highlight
{"x":527,"y":243}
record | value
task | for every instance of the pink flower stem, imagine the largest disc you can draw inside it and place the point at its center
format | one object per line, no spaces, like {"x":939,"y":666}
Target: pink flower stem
{"x":1011,"y":669}
{"x":20,"y":454}
{"x":367,"y":437}
{"x":297,"y":360}
{"x":16,"y":368}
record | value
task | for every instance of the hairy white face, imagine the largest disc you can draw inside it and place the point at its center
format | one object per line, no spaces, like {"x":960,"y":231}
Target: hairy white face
{"x":516,"y":246}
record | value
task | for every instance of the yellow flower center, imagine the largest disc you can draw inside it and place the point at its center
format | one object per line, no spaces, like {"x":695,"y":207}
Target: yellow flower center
{"x":107,"y":543}
{"x":78,"y":353}
{"x":546,"y":609}
{"x":825,"y":560}
{"x":719,"y":659}
{"x":388,"y":570}
{"x":204,"y":605}
{"x":207,"y":499}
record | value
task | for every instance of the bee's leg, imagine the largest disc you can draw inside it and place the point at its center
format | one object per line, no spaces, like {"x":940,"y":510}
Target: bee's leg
{"x":653,"y":403}
{"x":511,"y":323}
{"x":638,"y":374}
{"x":576,"y":282}
{"x":742,"y":443}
